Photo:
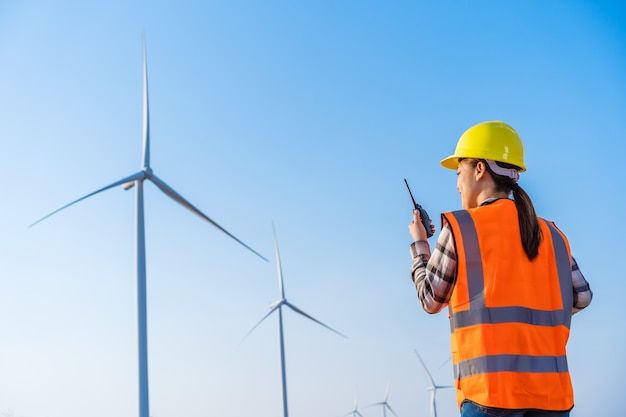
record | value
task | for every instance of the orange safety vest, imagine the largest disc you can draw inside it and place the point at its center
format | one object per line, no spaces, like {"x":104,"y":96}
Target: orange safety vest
{"x":509,"y":316}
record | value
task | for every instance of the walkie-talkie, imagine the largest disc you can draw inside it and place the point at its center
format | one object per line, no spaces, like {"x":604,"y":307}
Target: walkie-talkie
{"x":423,"y":214}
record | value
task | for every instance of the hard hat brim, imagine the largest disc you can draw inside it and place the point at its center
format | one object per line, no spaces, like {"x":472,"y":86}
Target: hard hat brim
{"x":451,"y":162}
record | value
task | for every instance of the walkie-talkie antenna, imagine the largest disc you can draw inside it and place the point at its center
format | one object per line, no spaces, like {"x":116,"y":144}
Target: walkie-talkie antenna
{"x":425,"y":218}
{"x":411,"y":194}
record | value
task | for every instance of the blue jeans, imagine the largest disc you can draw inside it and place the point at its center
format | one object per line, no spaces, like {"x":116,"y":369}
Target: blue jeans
{"x":470,"y":409}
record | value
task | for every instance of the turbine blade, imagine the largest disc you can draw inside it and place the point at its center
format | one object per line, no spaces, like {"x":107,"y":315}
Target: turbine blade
{"x":281,"y":284}
{"x":297,"y":310}
{"x":146,"y":111}
{"x":446,"y":361}
{"x":430,"y":378}
{"x":134,"y":177}
{"x":260,"y":321}
{"x":391,"y":409}
{"x":180,"y":200}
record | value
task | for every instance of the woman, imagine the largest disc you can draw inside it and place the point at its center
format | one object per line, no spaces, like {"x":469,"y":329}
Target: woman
{"x":508,"y":279}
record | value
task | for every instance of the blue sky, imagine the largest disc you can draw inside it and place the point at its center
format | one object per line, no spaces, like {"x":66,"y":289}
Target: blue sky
{"x":305,"y":114}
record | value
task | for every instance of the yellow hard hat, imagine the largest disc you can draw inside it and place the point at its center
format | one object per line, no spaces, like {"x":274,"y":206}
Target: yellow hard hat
{"x":494,"y":140}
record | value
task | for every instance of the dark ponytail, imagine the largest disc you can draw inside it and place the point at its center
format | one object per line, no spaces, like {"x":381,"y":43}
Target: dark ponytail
{"x":526,"y":215}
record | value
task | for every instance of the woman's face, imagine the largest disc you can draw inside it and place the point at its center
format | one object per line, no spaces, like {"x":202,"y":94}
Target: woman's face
{"x":467,"y":184}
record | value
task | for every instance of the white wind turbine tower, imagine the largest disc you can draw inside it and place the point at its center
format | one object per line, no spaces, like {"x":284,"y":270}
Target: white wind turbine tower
{"x":432,"y":388}
{"x":137,"y":180}
{"x":385,"y":404}
{"x":278,"y":305}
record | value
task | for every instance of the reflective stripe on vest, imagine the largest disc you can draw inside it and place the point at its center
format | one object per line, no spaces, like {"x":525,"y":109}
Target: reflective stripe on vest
{"x":511,"y":363}
{"x":479,"y":313}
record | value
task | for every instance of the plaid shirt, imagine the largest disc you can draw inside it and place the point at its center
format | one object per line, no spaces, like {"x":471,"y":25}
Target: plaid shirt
{"x":434,"y":276}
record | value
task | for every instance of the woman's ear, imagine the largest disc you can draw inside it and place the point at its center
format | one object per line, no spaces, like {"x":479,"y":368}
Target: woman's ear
{"x":480,"y":171}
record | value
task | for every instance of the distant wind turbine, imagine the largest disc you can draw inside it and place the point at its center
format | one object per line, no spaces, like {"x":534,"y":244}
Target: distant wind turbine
{"x":355,"y":412}
{"x":385,"y":404}
{"x":432,"y":388}
{"x":278,"y":305}
{"x":137,"y":180}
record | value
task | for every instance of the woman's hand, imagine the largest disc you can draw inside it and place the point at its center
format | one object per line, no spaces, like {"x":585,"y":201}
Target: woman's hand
{"x":417,"y":229}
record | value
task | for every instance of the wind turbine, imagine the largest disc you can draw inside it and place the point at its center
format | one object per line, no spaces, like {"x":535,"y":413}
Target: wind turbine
{"x":432,"y":388}
{"x":136,"y":180}
{"x":278,"y":306}
{"x":385,"y":404}
{"x":355,"y":412}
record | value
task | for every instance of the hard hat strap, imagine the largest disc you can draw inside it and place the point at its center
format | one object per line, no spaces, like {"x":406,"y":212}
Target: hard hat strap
{"x":506,"y":172}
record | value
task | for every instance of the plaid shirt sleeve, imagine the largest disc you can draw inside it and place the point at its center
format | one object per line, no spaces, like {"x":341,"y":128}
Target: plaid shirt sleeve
{"x":582,"y":291}
{"x":434,"y":276}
